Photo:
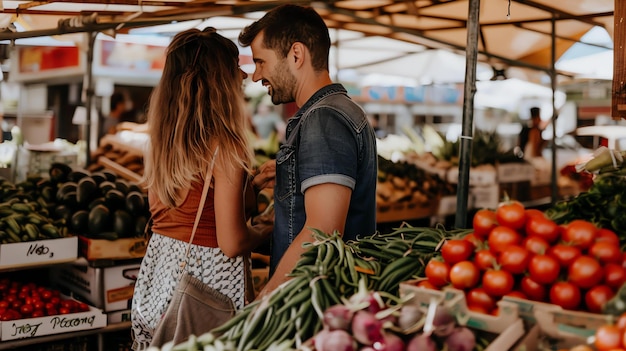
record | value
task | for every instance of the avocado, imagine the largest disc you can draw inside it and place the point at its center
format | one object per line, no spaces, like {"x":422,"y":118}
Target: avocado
{"x":58,"y":172}
{"x":111,"y":177}
{"x":115,"y":199}
{"x":77,"y":175}
{"x":98,"y":177}
{"x":135,"y":203}
{"x":122,"y":185}
{"x":63,"y":212}
{"x":135,"y":187}
{"x":99,"y":220}
{"x":64,"y":189}
{"x":106,"y":186}
{"x":70,"y":199}
{"x":97,"y":201}
{"x":123,"y":224}
{"x":86,"y":190}
{"x":79,"y":223}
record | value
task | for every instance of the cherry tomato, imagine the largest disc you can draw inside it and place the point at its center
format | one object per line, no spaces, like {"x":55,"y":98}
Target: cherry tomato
{"x":514,"y":259}
{"x":614,"y":275}
{"x":542,"y":227}
{"x":533,"y":212}
{"x":480,"y":297}
{"x":536,"y":244}
{"x":585,"y":272}
{"x":498,"y":282}
{"x":596,"y":297}
{"x":26,"y":310}
{"x":579,"y":233}
{"x":426,"y":284}
{"x":517,"y":294}
{"x":39,"y":305}
{"x":565,"y":254}
{"x":464,"y":275}
{"x":544,"y":269}
{"x":46,"y":295}
{"x":511,"y":214}
{"x":533,"y":290}
{"x":64,"y":310}
{"x":608,"y":337}
{"x":474,"y":239}
{"x":437,"y":272}
{"x":457,"y":250}
{"x":501,"y":237}
{"x":483,"y":222}
{"x":566,"y":295}
{"x":608,"y":235}
{"x":605,"y":252}
{"x":484,"y":259}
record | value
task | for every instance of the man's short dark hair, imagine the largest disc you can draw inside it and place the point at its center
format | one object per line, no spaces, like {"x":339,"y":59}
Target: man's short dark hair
{"x":287,"y":24}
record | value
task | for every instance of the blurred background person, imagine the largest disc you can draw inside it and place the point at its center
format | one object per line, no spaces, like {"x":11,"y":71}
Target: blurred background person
{"x":266,"y":121}
{"x":531,"y":142}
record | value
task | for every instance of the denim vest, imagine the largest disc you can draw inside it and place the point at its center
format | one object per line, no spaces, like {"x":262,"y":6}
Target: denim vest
{"x":329,"y":140}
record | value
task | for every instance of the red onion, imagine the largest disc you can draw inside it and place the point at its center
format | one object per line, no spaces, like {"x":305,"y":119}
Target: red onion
{"x":338,"y":317}
{"x":461,"y":339}
{"x":366,"y":328}
{"x":336,"y":340}
{"x":444,"y":323}
{"x":421,"y":342}
{"x":410,"y":315}
{"x":390,"y":342}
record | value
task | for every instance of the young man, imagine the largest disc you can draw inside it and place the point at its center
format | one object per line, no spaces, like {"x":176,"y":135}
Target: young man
{"x":325,"y":172}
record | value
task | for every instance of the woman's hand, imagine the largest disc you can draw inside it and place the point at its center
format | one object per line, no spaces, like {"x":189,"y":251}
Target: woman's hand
{"x":266,"y":176}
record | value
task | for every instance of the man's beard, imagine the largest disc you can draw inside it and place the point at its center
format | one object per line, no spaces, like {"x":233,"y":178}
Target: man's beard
{"x":283,"y":86}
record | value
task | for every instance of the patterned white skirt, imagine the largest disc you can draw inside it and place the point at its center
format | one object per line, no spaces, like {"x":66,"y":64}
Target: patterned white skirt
{"x":158,"y":276}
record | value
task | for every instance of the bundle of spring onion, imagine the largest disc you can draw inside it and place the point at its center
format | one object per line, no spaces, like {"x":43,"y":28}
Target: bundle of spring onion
{"x":603,"y":160}
{"x":328,"y":270}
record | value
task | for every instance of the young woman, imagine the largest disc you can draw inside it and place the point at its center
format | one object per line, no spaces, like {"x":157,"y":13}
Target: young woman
{"x":197,"y":112}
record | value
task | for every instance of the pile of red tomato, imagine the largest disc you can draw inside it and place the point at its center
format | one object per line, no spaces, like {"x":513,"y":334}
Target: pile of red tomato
{"x":519,"y":252}
{"x":28,"y":300}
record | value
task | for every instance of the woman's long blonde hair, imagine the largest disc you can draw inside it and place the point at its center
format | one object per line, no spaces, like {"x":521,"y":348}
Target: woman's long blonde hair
{"x":197,"y":106}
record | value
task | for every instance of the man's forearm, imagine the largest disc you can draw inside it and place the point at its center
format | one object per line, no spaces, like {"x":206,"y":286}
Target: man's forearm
{"x":287,"y":262}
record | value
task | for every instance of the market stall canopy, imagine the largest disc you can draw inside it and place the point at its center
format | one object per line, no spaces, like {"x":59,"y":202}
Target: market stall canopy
{"x":512,"y":32}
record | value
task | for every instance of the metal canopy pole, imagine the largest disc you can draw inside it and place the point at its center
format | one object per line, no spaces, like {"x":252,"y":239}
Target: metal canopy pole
{"x":471,"y":58}
{"x":554,"y":185}
{"x":89,"y":93}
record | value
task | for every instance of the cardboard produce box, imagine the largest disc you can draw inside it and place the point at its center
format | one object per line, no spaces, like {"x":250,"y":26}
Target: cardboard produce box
{"x":120,"y":249}
{"x":39,"y":252}
{"x":109,"y":288}
{"x":557,"y":322}
{"x":506,"y":328}
{"x":57,"y":324}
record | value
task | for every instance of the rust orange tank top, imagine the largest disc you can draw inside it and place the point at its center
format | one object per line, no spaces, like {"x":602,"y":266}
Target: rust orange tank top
{"x":177,"y":223}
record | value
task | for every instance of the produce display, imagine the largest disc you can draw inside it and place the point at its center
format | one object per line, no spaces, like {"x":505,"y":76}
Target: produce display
{"x":328,"y":270}
{"x":25,"y":212}
{"x":520,"y":252}
{"x":98,"y":205}
{"x":404,"y":183}
{"x":20,"y":300}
